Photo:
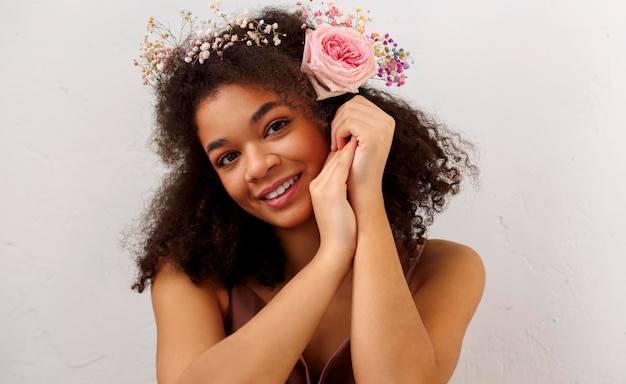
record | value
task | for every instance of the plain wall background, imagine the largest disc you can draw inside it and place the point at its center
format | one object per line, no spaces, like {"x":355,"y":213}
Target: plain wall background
{"x":539,"y":85}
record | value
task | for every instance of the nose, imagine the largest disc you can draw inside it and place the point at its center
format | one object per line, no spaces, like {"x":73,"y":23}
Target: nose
{"x":259,"y":162}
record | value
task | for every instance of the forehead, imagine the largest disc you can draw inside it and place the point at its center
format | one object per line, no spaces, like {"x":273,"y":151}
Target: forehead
{"x":229,"y":104}
{"x":232,"y":109}
{"x":240,"y":103}
{"x":235,"y":97}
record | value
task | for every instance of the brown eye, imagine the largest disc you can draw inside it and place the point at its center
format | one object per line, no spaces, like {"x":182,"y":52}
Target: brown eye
{"x":276,"y":126}
{"x":227,"y":158}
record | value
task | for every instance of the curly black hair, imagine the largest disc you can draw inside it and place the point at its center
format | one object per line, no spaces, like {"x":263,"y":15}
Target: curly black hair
{"x":194,"y":225}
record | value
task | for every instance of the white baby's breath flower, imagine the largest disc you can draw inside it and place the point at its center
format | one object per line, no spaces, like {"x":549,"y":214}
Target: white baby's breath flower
{"x":205,"y":38}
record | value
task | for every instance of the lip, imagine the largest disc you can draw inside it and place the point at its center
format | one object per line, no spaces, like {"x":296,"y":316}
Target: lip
{"x":282,"y":199}
{"x":275,"y":186}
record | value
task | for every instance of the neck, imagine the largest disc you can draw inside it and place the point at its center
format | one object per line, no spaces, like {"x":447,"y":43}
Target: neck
{"x":299,"y":245}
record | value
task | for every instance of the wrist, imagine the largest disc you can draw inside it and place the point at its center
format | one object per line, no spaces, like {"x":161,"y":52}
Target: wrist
{"x":367,"y":201}
{"x":334,"y":259}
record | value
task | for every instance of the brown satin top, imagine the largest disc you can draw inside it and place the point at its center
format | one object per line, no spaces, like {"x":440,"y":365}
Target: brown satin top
{"x":245,"y":304}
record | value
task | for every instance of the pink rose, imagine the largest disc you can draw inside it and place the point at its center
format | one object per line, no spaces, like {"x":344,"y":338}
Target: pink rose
{"x":337,"y":60}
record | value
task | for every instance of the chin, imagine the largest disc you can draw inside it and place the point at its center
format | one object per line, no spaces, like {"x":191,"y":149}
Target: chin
{"x":293,"y":222}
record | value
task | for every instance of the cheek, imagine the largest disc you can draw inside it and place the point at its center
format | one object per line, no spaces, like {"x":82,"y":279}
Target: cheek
{"x":319,"y":149}
{"x":233,"y":188}
{"x":320,"y":156}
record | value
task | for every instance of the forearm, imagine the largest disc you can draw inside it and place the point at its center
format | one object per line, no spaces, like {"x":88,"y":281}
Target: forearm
{"x":266,"y":349}
{"x":389,"y":340}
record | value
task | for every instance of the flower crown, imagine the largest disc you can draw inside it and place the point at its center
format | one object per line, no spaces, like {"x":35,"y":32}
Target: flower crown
{"x":198,"y":40}
{"x":338,"y":56}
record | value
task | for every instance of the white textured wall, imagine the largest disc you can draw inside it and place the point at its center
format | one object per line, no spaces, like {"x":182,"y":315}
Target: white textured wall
{"x":539,"y":85}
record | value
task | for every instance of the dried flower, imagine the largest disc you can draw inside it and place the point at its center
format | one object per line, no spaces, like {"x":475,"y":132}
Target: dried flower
{"x":197,"y":41}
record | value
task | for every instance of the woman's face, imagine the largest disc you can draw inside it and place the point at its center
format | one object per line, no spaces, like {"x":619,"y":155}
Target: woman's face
{"x":264,"y":151}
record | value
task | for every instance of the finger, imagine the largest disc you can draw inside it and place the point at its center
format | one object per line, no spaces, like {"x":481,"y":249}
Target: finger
{"x":345,"y":127}
{"x":350,"y":120}
{"x":340,"y":133}
{"x":337,"y":166}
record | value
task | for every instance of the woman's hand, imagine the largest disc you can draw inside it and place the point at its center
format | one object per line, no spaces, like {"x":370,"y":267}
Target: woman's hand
{"x":362,"y":121}
{"x":333,"y":213}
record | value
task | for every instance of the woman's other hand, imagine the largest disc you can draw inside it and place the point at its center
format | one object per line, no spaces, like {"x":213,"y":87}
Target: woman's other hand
{"x":362,"y":121}
{"x":333,"y":213}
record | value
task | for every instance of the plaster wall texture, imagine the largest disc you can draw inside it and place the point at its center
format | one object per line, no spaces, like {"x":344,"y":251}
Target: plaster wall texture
{"x":540,"y":86}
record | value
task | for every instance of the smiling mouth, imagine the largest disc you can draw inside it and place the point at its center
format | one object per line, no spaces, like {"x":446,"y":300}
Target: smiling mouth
{"x":281,"y":189}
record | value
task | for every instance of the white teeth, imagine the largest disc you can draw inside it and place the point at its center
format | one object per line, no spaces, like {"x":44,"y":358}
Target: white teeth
{"x":281,"y":189}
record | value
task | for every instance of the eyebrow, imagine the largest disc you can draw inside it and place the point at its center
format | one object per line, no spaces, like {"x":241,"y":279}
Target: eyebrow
{"x":215,"y":145}
{"x":265,"y":108}
{"x":256,"y":116}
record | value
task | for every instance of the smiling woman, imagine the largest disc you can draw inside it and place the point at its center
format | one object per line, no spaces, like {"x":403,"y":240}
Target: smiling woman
{"x":265,"y":136}
{"x":284,"y":243}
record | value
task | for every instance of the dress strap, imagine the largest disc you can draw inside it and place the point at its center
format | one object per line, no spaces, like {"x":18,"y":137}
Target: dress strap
{"x":413,"y":262}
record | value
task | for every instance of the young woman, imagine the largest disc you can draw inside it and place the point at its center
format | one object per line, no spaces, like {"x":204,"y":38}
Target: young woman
{"x":284,"y":243}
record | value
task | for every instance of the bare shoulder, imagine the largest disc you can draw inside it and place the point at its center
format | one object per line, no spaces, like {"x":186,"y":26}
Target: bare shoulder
{"x":447,"y":287}
{"x":171,"y":283}
{"x":448,"y":260}
{"x":189,"y":320}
